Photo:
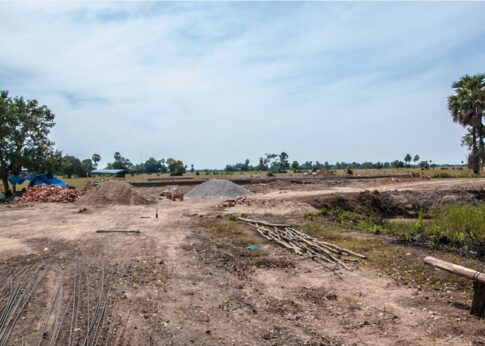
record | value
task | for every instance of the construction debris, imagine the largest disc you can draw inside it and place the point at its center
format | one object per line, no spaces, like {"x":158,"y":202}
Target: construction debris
{"x":49,"y":194}
{"x":16,"y":290}
{"x":301,"y":243}
{"x":117,"y":230}
{"x":228,"y":203}
{"x":173,"y":196}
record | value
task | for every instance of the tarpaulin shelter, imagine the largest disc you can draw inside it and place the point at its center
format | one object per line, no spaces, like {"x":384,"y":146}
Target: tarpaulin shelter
{"x":37,"y":179}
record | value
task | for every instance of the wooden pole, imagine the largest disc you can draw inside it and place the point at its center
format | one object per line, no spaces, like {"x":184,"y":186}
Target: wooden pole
{"x":478,"y":300}
{"x":456,"y":269}
{"x":262,"y":222}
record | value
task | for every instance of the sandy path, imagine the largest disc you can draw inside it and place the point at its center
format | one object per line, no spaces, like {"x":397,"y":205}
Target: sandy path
{"x":478,"y":183}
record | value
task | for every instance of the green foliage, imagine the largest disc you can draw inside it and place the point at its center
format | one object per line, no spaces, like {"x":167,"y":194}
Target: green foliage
{"x":155,"y":166}
{"x":24,"y":130}
{"x":467,"y":107}
{"x":352,"y":220}
{"x":176,"y":167}
{"x":96,"y":158}
{"x":120,"y":162}
{"x":457,"y":226}
{"x":232,"y":217}
{"x":310,"y":216}
{"x":407,"y":159}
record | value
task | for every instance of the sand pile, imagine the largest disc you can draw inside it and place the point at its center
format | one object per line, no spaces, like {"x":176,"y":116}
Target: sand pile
{"x":115,"y":192}
{"x":218,"y":188}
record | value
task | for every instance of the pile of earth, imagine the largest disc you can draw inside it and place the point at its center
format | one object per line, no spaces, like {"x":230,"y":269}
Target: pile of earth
{"x":115,"y":192}
{"x":394,"y":203}
{"x":218,"y":188}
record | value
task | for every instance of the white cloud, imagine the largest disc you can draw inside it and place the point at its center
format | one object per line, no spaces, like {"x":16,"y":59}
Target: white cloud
{"x":212,"y":83}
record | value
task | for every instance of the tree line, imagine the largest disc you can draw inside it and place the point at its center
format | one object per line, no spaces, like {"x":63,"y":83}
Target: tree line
{"x":280,"y":163}
{"x":25,"y":145}
{"x":70,"y":166}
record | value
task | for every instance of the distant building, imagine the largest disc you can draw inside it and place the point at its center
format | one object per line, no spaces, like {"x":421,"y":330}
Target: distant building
{"x":116,"y":172}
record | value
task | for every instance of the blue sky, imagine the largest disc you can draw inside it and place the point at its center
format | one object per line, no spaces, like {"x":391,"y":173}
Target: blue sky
{"x":218,"y":82}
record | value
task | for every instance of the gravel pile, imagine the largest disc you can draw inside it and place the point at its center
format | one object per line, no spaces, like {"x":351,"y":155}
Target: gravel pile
{"x":218,"y":188}
{"x":115,"y":192}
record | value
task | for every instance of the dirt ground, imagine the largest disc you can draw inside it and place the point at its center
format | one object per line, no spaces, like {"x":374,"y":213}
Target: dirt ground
{"x":180,"y":282}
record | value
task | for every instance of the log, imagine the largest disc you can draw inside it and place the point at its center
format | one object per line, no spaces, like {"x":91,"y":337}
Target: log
{"x":456,"y":269}
{"x":478,"y":300}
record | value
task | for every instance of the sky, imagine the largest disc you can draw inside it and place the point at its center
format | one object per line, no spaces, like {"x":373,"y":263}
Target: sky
{"x":213,"y":83}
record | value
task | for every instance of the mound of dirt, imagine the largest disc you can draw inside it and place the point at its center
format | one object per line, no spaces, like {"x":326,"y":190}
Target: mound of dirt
{"x":393,"y":203}
{"x":218,"y":188}
{"x":115,"y":192}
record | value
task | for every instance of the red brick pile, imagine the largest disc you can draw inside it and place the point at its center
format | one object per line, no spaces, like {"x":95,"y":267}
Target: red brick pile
{"x":228,"y":203}
{"x":49,"y":193}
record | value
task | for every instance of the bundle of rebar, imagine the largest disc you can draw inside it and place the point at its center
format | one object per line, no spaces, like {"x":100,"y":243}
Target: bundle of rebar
{"x":303,"y":244}
{"x":69,"y":317}
{"x":15,"y":293}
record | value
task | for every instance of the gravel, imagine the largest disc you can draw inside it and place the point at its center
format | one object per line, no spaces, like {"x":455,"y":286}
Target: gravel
{"x":218,"y":188}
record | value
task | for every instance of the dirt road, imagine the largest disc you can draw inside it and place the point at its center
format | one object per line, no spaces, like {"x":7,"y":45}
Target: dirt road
{"x":173,"y":285}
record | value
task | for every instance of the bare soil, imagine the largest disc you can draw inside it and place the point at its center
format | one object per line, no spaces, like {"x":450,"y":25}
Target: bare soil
{"x":183,"y":280}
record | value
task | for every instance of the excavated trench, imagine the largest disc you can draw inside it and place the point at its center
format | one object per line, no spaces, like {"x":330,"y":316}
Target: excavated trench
{"x":392,"y":204}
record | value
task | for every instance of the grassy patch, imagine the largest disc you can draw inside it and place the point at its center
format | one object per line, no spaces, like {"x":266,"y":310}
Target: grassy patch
{"x":403,"y":263}
{"x":455,"y":227}
{"x":353,"y":220}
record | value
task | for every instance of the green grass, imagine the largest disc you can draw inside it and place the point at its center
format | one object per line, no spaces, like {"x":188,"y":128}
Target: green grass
{"x":454,"y":226}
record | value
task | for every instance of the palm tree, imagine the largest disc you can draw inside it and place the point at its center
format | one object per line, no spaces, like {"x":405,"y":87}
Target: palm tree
{"x":467,"y":107}
{"x":96,"y":158}
{"x":407,"y":159}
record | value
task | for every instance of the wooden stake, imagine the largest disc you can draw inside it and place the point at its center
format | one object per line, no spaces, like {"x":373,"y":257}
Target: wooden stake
{"x":478,"y":300}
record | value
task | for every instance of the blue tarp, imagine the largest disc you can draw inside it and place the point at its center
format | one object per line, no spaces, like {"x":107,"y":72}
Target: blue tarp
{"x":37,"y":179}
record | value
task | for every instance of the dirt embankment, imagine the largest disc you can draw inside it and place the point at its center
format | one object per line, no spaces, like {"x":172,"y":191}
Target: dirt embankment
{"x":393,"y":203}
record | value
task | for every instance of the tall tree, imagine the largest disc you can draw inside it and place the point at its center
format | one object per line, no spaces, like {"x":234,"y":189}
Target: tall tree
{"x":73,"y":166}
{"x":416,"y":159}
{"x":153,"y":166}
{"x":120,"y":162}
{"x":24,"y":142}
{"x":96,"y":158}
{"x":467,"y":108}
{"x":176,"y":167}
{"x":407,"y":159}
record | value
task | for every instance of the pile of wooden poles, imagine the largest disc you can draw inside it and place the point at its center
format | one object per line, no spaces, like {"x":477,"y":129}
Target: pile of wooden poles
{"x":301,"y":243}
